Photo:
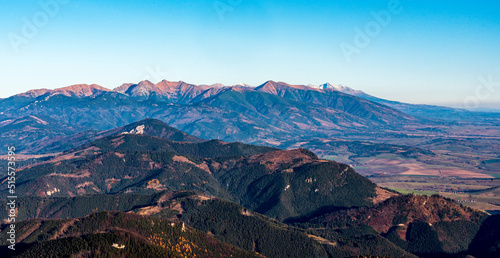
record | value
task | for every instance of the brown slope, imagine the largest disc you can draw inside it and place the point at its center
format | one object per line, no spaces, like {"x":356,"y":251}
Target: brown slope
{"x":77,"y":90}
{"x":178,"y":92}
{"x":81,"y":90}
{"x":34,"y":93}
{"x":404,"y":210}
{"x":143,"y":88}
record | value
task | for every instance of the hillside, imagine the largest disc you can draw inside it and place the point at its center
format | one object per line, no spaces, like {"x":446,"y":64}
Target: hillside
{"x":419,"y":224}
{"x":221,"y":219}
{"x":433,"y":225}
{"x":337,"y":100}
{"x":154,"y":127}
{"x":49,"y":136}
{"x":78,"y":90}
{"x":430,"y":112}
{"x":29,"y":131}
{"x":279,"y":183}
{"x":117,"y":235}
{"x":287,"y":241}
{"x":175,"y":92}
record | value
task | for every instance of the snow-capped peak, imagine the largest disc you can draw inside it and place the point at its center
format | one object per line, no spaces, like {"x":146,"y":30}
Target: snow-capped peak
{"x":341,"y":88}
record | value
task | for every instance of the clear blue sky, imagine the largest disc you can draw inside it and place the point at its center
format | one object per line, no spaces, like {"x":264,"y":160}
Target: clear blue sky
{"x":429,"y":52}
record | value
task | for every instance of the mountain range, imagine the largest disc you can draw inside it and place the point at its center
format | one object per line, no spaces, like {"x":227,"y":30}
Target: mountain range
{"x":184,"y":93}
{"x":267,"y":114}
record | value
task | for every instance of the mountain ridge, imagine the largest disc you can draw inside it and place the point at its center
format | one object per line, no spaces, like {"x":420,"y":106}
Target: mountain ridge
{"x":175,"y":90}
{"x":185,"y":93}
{"x":77,"y":90}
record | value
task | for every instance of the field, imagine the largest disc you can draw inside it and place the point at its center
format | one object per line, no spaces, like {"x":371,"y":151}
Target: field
{"x":461,"y":163}
{"x":392,"y":164}
{"x":492,"y":164}
{"x":482,"y":194}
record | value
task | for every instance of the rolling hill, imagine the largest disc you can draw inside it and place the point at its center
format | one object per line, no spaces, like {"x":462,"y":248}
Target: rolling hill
{"x":278,"y":183}
{"x":422,"y":225}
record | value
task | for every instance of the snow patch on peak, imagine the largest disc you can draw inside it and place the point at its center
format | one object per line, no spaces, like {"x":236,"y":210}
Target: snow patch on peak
{"x":341,"y":88}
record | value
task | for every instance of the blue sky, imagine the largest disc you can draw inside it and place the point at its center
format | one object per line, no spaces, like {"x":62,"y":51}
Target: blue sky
{"x":416,"y":51}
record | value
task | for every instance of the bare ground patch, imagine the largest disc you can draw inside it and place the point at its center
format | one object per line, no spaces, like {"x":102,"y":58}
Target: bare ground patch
{"x":382,"y":195}
{"x":202,"y":166}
